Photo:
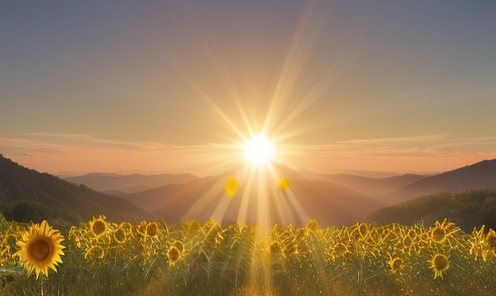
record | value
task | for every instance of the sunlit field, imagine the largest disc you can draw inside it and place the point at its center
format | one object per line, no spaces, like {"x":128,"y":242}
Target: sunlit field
{"x":153,"y":258}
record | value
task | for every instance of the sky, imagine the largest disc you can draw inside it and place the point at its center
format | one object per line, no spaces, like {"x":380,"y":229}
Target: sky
{"x":178,"y":86}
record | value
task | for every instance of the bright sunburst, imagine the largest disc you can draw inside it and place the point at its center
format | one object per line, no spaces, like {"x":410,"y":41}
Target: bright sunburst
{"x":259,"y":150}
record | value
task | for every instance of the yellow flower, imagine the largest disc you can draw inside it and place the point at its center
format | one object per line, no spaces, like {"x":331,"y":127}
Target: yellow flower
{"x":179,"y":245}
{"x":442,"y":231}
{"x":340,"y":249}
{"x":491,"y":240}
{"x":275,"y":249}
{"x":95,"y":252}
{"x":439,"y":264}
{"x":193,"y":227}
{"x":98,"y":226}
{"x":396,"y":265}
{"x":312,"y":224}
{"x":478,"y":245}
{"x":412,"y":234}
{"x":40,"y":248}
{"x":363,"y":229}
{"x":174,"y":254}
{"x":120,"y":235}
{"x":151,"y":229}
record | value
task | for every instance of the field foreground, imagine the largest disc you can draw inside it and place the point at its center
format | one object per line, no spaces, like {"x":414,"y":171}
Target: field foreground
{"x":153,"y":258}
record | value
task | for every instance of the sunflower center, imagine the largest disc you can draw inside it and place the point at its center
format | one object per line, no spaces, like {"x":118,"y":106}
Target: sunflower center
{"x":174,"y":254}
{"x":438,"y":234}
{"x":363,"y":229}
{"x":98,"y":227}
{"x":152,"y":229}
{"x":407,"y":241}
{"x":120,"y":236}
{"x":440,"y":262}
{"x":340,"y":249}
{"x":397,"y":264}
{"x":39,"y":249}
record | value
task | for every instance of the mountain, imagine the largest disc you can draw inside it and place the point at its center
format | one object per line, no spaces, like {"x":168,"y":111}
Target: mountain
{"x":27,"y":211}
{"x":376,"y":185}
{"x":19,"y":183}
{"x":481,"y":175}
{"x":129,"y":183}
{"x":373,"y":186}
{"x":329,"y":203}
{"x":466,"y":209}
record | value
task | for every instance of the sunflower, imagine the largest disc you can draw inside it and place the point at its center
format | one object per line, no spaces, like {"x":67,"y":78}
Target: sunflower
{"x":95,"y":252}
{"x":179,"y":245}
{"x":412,"y":234}
{"x":98,"y":225}
{"x":275,"y":249}
{"x":193,"y":227}
{"x":174,"y":255}
{"x":363,"y":229}
{"x":340,"y":249}
{"x":151,"y":229}
{"x":442,"y":231}
{"x":120,"y":235}
{"x":478,"y":244}
{"x":40,"y":248}
{"x":439,"y":263}
{"x":396,"y":264}
{"x":491,"y":240}
{"x":407,"y":241}
{"x":312,"y":224}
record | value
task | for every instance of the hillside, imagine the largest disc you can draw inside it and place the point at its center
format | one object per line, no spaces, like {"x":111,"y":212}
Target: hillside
{"x":27,"y":211}
{"x":373,"y":186}
{"x":481,"y":175}
{"x":128,"y":183}
{"x":467,"y":209}
{"x":19,"y":183}
{"x":329,"y":203}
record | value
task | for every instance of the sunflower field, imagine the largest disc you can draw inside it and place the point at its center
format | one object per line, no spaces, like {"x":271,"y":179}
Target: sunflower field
{"x":153,"y":258}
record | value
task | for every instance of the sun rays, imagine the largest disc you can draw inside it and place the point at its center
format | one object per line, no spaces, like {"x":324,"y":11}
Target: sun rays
{"x":249,"y":188}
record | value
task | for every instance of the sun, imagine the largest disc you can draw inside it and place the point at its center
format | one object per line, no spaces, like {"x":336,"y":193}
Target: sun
{"x":259,"y":150}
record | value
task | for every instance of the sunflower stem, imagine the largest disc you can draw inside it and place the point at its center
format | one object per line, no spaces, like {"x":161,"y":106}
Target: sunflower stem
{"x":42,"y":279}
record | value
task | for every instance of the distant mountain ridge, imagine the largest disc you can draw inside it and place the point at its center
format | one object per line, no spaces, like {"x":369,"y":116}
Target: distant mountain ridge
{"x":481,"y":175}
{"x":373,"y":186}
{"x":331,"y":199}
{"x":19,"y":183}
{"x":128,"y":183}
{"x":329,"y":203}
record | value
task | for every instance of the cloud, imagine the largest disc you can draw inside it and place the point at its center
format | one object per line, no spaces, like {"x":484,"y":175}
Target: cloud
{"x":76,"y":153}
{"x":427,"y":153}
{"x":31,"y":112}
{"x":392,"y":140}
